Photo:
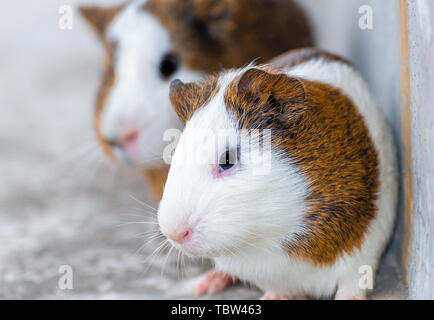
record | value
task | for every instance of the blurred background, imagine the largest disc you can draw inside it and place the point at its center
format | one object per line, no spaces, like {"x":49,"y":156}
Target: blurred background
{"x":62,"y":203}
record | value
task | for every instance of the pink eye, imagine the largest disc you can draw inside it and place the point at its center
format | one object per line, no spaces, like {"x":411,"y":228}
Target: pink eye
{"x":228,"y":161}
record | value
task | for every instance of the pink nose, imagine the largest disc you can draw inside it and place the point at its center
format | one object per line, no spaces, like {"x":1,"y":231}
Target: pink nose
{"x":125,"y":140}
{"x":128,"y":138}
{"x":180,"y":236}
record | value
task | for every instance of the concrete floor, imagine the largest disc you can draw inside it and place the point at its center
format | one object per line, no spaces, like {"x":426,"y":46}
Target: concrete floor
{"x":61,"y":202}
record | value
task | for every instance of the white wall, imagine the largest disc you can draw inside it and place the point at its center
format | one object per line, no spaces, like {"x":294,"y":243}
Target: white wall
{"x":421,"y":51}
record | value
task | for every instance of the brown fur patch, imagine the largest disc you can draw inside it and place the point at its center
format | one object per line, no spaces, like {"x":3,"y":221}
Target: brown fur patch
{"x":323,"y":134}
{"x":107,"y":81}
{"x":186,"y":98}
{"x":157,"y":179}
{"x":209,"y":34}
{"x":99,"y":18}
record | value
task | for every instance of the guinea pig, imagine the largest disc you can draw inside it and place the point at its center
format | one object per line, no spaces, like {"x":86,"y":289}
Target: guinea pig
{"x":285,"y":175}
{"x":149,"y":43}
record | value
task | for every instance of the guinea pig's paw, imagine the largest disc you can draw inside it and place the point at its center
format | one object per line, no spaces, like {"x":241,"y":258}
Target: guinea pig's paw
{"x":350,"y":293}
{"x":213,"y":282}
{"x":275,"y":296}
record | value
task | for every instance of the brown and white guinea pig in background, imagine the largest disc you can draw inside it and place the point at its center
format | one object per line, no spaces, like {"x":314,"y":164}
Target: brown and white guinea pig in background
{"x":325,"y":206}
{"x":149,"y":43}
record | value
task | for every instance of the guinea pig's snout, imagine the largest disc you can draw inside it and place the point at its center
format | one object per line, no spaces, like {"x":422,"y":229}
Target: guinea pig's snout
{"x":181,"y":234}
{"x":125,"y":139}
{"x":126,"y":142}
{"x":129,"y":138}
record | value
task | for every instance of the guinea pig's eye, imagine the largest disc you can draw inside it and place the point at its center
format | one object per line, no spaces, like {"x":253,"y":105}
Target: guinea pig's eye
{"x":227,"y":160}
{"x":169,"y":64}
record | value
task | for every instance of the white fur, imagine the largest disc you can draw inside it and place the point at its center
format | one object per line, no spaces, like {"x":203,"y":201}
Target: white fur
{"x":241,"y":220}
{"x":140,"y":96}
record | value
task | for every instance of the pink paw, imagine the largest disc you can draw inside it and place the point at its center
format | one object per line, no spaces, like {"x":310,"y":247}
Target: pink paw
{"x":275,"y":296}
{"x":213,"y":282}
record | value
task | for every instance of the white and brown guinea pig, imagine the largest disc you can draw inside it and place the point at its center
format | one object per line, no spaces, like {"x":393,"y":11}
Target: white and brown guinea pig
{"x":326,"y":204}
{"x":149,"y":43}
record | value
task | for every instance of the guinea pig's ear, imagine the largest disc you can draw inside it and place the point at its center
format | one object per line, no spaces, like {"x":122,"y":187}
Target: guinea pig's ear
{"x":184,"y":97}
{"x":99,"y":18}
{"x":279,"y":93}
